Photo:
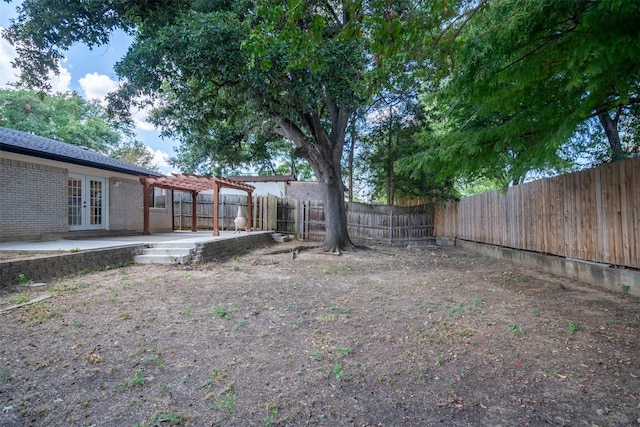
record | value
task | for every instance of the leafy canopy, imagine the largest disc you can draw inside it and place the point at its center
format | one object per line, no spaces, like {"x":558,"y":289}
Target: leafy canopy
{"x":70,"y":118}
{"x":524,"y":77}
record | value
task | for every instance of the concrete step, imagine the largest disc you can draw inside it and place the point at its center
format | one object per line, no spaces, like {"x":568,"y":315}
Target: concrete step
{"x":167,"y":253}
{"x":162,"y":259}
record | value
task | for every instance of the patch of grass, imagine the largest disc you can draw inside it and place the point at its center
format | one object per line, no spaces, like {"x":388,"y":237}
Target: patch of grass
{"x":337,"y":371}
{"x":20,"y":298}
{"x":513,"y":327}
{"x":83,"y":272}
{"x":456,"y":310}
{"x":173,"y":418}
{"x":239,"y":324}
{"x":137,"y":379}
{"x":220,"y":311}
{"x":187,"y":310}
{"x":344,"y":351}
{"x":632,"y":324}
{"x":24,"y":280}
{"x":574,"y":327}
{"x":153,"y":358}
{"x":5,"y":377}
{"x":339,"y":269}
{"x":316,"y":355}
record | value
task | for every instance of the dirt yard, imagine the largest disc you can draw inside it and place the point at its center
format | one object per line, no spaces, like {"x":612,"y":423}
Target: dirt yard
{"x":384,"y":337}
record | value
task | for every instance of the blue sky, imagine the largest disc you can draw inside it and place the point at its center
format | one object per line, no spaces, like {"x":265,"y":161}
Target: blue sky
{"x":89,"y":73}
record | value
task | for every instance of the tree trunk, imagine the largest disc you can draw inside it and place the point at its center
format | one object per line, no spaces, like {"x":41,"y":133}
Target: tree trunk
{"x":335,"y":213}
{"x":610,"y":126}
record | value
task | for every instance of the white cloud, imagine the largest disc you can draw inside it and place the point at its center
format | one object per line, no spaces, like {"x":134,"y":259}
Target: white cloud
{"x":62,"y":82}
{"x":59,"y":83}
{"x":140,"y":119}
{"x":161,"y":159}
{"x":7,"y":54}
{"x":97,"y":86}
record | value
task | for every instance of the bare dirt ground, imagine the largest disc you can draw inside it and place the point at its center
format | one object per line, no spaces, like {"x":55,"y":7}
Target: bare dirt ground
{"x":385,"y":337}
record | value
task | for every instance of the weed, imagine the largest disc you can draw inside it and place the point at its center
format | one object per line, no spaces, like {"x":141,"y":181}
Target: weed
{"x":316,"y":355}
{"x":626,"y":289}
{"x":239,"y":324}
{"x":440,"y":360}
{"x":161,"y":385}
{"x":536,"y":312}
{"x":78,"y":325}
{"x":574,"y":327}
{"x":337,"y":371}
{"x":187,"y":310}
{"x":230,"y":402}
{"x":221,"y":311}
{"x":138,"y":379}
{"x":5,"y":377}
{"x":173,"y":418}
{"x":74,"y":250}
{"x":455,"y":311}
{"x":114,"y":295}
{"x":84,"y":271}
{"x":23,"y":280}
{"x":632,"y":324}
{"x":152,"y":358}
{"x":218,"y":375}
{"x":516,"y":329}
{"x":20,"y":298}
{"x":298,"y":322}
{"x":344,"y":351}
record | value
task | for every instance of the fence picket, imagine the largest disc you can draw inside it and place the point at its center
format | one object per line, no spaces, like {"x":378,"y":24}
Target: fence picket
{"x":305,"y":219}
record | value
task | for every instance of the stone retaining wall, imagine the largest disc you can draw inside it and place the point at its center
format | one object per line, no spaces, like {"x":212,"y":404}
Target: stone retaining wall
{"x":237,"y":245}
{"x":55,"y":266}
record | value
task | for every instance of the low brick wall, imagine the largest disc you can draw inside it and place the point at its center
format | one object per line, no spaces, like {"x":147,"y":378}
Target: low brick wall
{"x":237,"y":245}
{"x":56,"y":266}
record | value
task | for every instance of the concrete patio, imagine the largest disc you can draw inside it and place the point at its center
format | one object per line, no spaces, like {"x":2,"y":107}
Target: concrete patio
{"x":67,"y":245}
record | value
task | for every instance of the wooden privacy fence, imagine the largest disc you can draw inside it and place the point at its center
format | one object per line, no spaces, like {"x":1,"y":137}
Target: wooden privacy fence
{"x":305,"y":219}
{"x":592,"y":215}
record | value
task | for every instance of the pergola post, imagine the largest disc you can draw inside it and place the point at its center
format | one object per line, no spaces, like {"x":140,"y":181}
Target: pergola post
{"x":194,"y":214}
{"x":216,"y":192}
{"x":248,"y":227}
{"x":147,"y":193}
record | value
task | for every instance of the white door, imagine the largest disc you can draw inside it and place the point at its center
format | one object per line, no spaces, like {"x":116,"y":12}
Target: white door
{"x":87,"y":202}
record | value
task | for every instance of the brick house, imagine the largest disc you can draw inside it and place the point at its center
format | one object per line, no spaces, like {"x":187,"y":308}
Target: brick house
{"x":50,"y":189}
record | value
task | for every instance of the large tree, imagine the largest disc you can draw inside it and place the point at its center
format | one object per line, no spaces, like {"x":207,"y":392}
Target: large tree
{"x":525,"y":77}
{"x":226,"y":76}
{"x":70,"y":118}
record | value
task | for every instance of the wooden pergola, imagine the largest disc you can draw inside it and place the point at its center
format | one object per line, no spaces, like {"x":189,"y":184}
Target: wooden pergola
{"x":194,"y":184}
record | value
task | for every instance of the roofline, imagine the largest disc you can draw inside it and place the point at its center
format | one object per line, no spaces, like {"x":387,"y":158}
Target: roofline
{"x":72,"y":160}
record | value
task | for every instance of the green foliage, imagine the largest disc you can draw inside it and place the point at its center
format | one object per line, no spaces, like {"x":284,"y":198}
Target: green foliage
{"x":524,"y":77}
{"x":69,"y":118}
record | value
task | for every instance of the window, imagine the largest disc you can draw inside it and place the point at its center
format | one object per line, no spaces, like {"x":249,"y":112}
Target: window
{"x":158,"y":198}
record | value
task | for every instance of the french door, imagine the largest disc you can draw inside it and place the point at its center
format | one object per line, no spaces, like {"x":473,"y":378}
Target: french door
{"x":87,"y":202}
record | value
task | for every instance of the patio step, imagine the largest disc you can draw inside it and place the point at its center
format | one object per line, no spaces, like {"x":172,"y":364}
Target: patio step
{"x":167,"y":253}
